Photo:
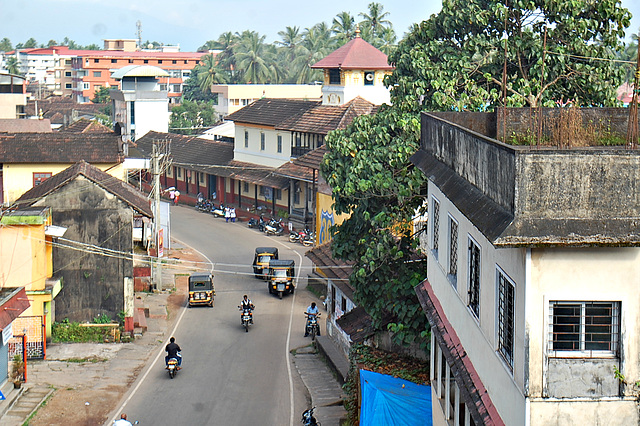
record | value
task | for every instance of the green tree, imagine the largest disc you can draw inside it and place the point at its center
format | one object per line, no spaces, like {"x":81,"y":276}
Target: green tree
{"x":52,"y":43}
{"x":191,"y":117}
{"x":343,"y":27}
{"x":210,"y":72}
{"x":375,"y":19}
{"x":367,"y":166}
{"x":101,"y":96}
{"x":191,"y":90}
{"x":453,"y":62}
{"x":253,"y":59}
{"x":5,"y":45}
{"x":13,"y":65}
{"x":29,"y":44}
{"x":316,"y":44}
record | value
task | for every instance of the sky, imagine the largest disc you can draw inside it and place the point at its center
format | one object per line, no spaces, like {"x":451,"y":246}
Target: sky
{"x":190,"y":23}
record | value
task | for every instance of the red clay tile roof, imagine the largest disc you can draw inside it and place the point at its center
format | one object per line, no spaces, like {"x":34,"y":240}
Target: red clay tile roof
{"x":124,"y":191}
{"x":60,"y":148}
{"x":356,"y":54}
{"x":338,"y":271}
{"x":86,"y":126}
{"x":18,"y":125}
{"x":324,"y":118}
{"x":472,"y":391}
{"x":256,"y":174}
{"x":295,"y":171}
{"x":271,"y":112}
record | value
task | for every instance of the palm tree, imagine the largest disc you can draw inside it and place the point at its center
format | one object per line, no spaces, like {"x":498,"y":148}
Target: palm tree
{"x":5,"y":45}
{"x":210,"y":73}
{"x":12,"y":65}
{"x":375,"y":19}
{"x":227,"y":43}
{"x":386,"y":41}
{"x":344,"y":27}
{"x":316,"y":45}
{"x":253,"y":59}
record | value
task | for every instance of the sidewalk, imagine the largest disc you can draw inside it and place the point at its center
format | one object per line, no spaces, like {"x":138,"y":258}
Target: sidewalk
{"x":89,"y":379}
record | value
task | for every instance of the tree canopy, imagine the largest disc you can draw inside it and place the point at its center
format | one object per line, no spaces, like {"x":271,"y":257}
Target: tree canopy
{"x":191,"y":117}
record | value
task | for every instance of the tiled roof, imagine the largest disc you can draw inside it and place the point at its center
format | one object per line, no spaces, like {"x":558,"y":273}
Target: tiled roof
{"x":60,"y":148}
{"x":124,"y":191}
{"x":271,"y":112}
{"x":357,"y":323}
{"x":324,"y":118}
{"x":196,"y":153}
{"x":338,"y":271}
{"x":13,"y":302}
{"x":86,"y":126}
{"x":18,"y":125}
{"x":295,"y":171}
{"x":256,"y":174}
{"x":55,"y":108}
{"x":472,"y":391}
{"x":356,"y":54}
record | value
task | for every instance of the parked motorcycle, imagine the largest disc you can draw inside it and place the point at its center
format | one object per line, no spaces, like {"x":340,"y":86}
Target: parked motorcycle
{"x":308,"y":240}
{"x":308,"y":419}
{"x":203,"y":205}
{"x":246,"y":317}
{"x":274,"y":227}
{"x":257,"y":223}
{"x":299,"y":236}
{"x":312,"y":325}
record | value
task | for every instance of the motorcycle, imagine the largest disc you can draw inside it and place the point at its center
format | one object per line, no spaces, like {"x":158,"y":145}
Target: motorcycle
{"x":308,"y":240}
{"x":308,"y":419}
{"x":274,"y":227}
{"x":257,"y":223}
{"x":172,"y":366}
{"x":217,"y":211}
{"x":203,"y":205}
{"x":299,"y":236}
{"x":312,"y":327}
{"x":246,"y":317}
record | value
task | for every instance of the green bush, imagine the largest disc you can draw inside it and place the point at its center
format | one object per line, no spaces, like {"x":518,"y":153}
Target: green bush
{"x":73,"y":332}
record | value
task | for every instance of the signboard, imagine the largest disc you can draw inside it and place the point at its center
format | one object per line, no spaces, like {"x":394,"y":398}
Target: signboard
{"x":7,"y":333}
{"x":160,"y":242}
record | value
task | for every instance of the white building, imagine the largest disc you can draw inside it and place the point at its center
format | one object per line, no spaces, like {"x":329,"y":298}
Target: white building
{"x":139,"y":104}
{"x":532,"y":280}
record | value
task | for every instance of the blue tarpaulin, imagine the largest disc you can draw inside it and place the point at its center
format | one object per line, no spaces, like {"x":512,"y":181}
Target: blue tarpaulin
{"x":393,"y":402}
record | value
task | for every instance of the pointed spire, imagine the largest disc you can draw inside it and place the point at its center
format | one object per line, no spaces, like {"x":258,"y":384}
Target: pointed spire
{"x":357,"y":30}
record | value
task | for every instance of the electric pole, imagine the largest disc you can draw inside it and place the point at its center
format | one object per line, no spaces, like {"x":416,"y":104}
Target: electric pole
{"x":156,"y":268}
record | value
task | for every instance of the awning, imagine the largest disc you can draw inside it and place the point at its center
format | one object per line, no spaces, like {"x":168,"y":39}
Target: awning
{"x":54,"y":231}
{"x":13,"y":302}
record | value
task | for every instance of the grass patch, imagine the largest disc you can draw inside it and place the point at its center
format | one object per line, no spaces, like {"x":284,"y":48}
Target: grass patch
{"x":92,"y":359}
{"x":74,"y":332}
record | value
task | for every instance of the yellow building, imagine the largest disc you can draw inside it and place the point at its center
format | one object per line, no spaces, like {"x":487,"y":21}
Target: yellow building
{"x":26,"y":260}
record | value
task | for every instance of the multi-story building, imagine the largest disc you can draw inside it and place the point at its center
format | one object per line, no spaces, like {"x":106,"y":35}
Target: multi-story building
{"x":533,"y":270}
{"x":13,"y":96}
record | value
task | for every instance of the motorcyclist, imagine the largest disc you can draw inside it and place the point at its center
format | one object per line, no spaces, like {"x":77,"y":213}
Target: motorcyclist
{"x":312,"y":311}
{"x":173,"y":351}
{"x":246,"y":303}
{"x":122,"y":421}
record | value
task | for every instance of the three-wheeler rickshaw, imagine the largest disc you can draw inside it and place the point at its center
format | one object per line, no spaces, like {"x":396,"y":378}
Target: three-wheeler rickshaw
{"x":261,"y":261}
{"x":201,"y":290}
{"x":282,"y":274}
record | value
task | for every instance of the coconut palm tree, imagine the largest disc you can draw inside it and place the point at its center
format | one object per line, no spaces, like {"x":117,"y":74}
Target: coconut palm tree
{"x":316,"y":45}
{"x":375,"y":19}
{"x":210,"y":72}
{"x":253,"y":59}
{"x":5,"y":45}
{"x":12,"y":65}
{"x":344,"y":27}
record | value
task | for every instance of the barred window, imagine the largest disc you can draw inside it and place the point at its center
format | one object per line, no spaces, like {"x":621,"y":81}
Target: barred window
{"x":262,"y":141}
{"x":506,"y":317}
{"x":474,"y":278}
{"x":453,"y":249}
{"x":279,"y":143}
{"x":584,"y":329}
{"x":246,"y":139}
{"x":435,"y":223}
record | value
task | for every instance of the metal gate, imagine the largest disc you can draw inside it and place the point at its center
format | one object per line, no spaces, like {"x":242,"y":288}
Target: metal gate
{"x":33,"y":327}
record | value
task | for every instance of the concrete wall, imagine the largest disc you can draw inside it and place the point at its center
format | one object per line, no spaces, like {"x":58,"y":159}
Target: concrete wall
{"x":23,"y":261}
{"x":478,"y":336}
{"x":253,"y":154}
{"x":151,"y":114}
{"x":18,"y":177}
{"x":9,"y":102}
{"x":614,"y":411}
{"x":93,"y":284}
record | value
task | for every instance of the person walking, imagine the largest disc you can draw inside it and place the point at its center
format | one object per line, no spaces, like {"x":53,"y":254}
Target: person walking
{"x":227,"y":214}
{"x":177,"y":196}
{"x":233,"y":214}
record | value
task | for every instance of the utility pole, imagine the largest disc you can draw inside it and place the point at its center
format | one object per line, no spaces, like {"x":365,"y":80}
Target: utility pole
{"x":156,"y":268}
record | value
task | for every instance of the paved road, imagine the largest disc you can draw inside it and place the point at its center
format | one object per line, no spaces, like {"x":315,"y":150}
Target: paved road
{"x":229,"y":377}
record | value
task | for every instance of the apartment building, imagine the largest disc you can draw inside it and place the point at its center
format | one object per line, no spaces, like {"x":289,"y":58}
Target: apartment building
{"x":533,"y":274}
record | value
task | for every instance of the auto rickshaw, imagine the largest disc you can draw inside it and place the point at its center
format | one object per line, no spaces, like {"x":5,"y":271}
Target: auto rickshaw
{"x":261,"y":261}
{"x":282,"y":275}
{"x":201,"y":291}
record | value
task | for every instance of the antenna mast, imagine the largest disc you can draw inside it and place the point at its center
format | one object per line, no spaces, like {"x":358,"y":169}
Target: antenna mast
{"x":139,"y":33}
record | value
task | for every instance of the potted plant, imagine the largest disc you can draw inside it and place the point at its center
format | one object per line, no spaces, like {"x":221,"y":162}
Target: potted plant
{"x":17,"y":371}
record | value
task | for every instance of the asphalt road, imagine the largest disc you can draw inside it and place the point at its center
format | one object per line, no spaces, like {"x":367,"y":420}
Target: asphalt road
{"x":229,"y":376}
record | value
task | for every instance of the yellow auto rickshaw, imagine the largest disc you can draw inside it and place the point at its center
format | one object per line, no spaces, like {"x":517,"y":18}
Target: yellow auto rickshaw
{"x":201,"y":290}
{"x":282,"y":275}
{"x":261,"y":261}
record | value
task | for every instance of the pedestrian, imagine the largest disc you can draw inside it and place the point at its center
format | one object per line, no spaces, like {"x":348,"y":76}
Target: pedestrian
{"x":172,"y":195}
{"x":227,"y":214}
{"x":177,"y":196}
{"x":122,"y":421}
{"x":233,"y":214}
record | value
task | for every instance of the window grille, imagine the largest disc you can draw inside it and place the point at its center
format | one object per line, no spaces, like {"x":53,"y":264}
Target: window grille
{"x":506,"y":317}
{"x":453,"y":247}
{"x":246,"y":139}
{"x":436,"y":222}
{"x":474,"y":278}
{"x":586,"y":329}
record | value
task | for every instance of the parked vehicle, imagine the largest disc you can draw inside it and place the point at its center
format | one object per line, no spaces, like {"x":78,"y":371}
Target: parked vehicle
{"x":246,"y":317}
{"x":217,"y":211}
{"x":201,"y":290}
{"x":312,"y":325}
{"x":308,"y":240}
{"x":203,"y":205}
{"x":299,"y":236}
{"x":274,"y":227}
{"x":257,"y":223}
{"x":261,"y":259}
{"x":172,"y":367}
{"x":281,"y":277}
{"x":308,"y":419}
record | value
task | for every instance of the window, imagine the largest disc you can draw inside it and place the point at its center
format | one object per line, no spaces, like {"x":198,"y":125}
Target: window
{"x":474,"y":278}
{"x":86,"y":86}
{"x":174,"y":62}
{"x":130,"y":61}
{"x":261,"y":141}
{"x":97,"y":73}
{"x":163,"y":86}
{"x":68,"y":86}
{"x":186,"y":62}
{"x":178,"y":172}
{"x":114,"y":61}
{"x":279,"y":143}
{"x":453,"y":250}
{"x":277,"y":194}
{"x":67,"y":73}
{"x":175,"y":88}
{"x":246,"y":187}
{"x":159,"y":61}
{"x":201,"y":177}
{"x":38,"y":178}
{"x":435,"y":221}
{"x":368,"y":78}
{"x":584,"y":329}
{"x":246,"y":139}
{"x":506,"y":317}
{"x":96,"y":61}
{"x":296,"y":192}
{"x":146,"y":61}
{"x":334,"y":76}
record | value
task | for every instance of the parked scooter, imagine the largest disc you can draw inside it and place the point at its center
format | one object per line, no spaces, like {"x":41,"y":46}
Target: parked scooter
{"x":274,"y":227}
{"x":308,"y":419}
{"x":217,"y":211}
{"x":246,"y":317}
